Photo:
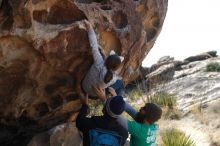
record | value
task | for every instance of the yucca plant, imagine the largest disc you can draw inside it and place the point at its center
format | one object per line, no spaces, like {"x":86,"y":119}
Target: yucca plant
{"x":213,"y":67}
{"x":163,"y":99}
{"x":174,"y":137}
{"x":136,"y":93}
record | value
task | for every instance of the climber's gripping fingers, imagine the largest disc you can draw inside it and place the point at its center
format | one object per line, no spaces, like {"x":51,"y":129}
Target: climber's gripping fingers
{"x":88,"y":25}
{"x":99,"y":92}
{"x":112,"y":91}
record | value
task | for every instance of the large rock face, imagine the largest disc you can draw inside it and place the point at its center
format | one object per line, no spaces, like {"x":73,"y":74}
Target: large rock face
{"x":45,"y":53}
{"x":193,"y":85}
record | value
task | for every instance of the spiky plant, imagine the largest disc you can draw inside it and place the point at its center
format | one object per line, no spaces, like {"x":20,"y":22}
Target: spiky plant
{"x":164,"y":99}
{"x":174,"y":137}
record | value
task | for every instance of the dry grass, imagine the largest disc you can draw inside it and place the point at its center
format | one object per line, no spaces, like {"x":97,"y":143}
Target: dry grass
{"x":175,"y":137}
{"x":201,"y":123}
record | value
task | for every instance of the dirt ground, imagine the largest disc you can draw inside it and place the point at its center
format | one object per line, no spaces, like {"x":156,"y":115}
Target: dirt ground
{"x":202,"y":125}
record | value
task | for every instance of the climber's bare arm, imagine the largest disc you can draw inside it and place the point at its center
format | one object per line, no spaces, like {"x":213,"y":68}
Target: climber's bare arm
{"x":100,"y":93}
{"x":112,"y":91}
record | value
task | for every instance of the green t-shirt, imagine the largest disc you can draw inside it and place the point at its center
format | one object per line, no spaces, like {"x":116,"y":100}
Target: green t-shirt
{"x":142,"y":134}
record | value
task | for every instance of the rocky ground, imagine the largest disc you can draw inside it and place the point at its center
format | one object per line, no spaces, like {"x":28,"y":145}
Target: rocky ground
{"x":193,"y":85}
{"x":203,"y":127}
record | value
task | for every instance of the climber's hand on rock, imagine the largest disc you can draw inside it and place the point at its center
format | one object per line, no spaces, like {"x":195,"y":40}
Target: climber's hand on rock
{"x":88,"y":25}
{"x":112,"y":91}
{"x":99,"y":92}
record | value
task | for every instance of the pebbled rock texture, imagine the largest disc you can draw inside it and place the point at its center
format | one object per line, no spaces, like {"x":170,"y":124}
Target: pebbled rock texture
{"x":45,"y":53}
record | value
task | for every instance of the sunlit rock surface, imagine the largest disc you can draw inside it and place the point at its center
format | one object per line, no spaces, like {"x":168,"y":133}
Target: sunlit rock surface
{"x":62,"y":135}
{"x":45,"y":53}
{"x":193,"y":85}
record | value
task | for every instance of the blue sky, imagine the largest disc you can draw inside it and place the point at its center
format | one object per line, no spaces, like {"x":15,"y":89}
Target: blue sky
{"x":190,"y":27}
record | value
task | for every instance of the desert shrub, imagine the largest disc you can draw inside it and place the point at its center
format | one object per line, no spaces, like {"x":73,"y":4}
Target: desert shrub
{"x":95,"y":108}
{"x":136,"y":93}
{"x":213,"y":67}
{"x":173,"y":114}
{"x":174,"y":137}
{"x":163,"y":99}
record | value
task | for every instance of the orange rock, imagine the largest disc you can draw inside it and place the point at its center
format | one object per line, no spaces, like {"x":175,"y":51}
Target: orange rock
{"x":44,"y":52}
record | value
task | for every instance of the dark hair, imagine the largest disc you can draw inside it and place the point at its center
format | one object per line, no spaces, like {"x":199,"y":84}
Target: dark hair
{"x":112,"y":63}
{"x":150,"y":112}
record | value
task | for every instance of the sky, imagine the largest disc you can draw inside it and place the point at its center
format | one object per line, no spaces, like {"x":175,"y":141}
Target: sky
{"x":191,"y":27}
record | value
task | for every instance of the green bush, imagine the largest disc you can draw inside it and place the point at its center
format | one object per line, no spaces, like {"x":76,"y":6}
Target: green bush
{"x":136,"y":93}
{"x":163,"y":99}
{"x":174,"y":137}
{"x":213,"y":67}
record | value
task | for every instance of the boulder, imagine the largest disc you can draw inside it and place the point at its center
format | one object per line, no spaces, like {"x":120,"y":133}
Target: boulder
{"x":177,"y":64}
{"x":62,"y":135}
{"x":212,"y":53}
{"x":202,"y":56}
{"x":165,"y":59}
{"x":193,"y":86}
{"x":42,"y":139}
{"x":45,"y":54}
{"x":161,"y":75}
